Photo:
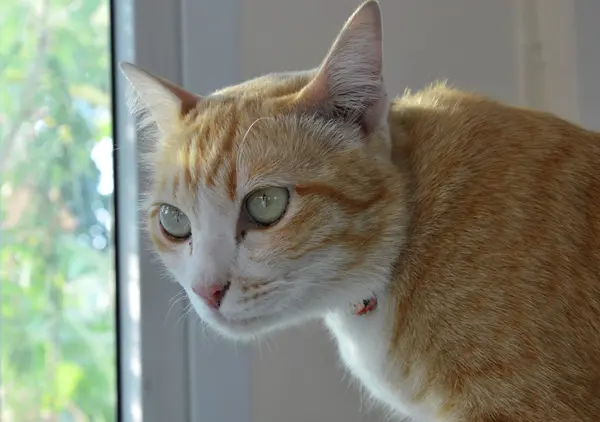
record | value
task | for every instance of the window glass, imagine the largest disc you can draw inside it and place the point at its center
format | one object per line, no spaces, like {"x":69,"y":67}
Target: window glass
{"x":57,"y":275}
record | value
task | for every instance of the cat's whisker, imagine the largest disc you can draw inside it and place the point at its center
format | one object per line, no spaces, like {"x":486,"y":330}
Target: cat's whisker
{"x":243,"y":141}
{"x":203,"y":328}
{"x":259,"y":345}
{"x":189,"y":308}
{"x":268,"y":343}
{"x":177,"y":298}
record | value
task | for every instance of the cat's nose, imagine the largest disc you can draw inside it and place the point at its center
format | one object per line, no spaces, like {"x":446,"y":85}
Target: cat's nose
{"x":212,"y":294}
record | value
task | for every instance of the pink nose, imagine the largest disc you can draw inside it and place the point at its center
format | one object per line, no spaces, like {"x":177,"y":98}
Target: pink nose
{"x":212,"y":294}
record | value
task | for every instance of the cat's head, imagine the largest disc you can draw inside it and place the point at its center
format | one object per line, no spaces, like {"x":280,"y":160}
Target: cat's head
{"x":276,"y":200}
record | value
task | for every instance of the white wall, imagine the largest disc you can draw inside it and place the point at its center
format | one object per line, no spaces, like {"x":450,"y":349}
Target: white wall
{"x":471,"y":42}
{"x":587,"y":13}
{"x":297,"y":378}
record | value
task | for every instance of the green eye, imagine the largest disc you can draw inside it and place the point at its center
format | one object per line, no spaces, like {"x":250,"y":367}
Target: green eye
{"x":267,"y":205}
{"x":174,"y":222}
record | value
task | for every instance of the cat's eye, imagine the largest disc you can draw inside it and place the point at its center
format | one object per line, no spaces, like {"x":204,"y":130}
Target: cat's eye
{"x":174,"y":222}
{"x":266,"y":206}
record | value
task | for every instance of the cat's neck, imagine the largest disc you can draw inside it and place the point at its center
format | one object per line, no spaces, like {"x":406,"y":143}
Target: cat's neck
{"x":362,"y":345}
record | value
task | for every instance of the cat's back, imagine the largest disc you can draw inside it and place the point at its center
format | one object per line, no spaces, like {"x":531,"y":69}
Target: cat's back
{"x":498,"y":294}
{"x":524,"y":174}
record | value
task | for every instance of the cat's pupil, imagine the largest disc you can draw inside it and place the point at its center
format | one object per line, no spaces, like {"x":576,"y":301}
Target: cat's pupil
{"x":264,"y":200}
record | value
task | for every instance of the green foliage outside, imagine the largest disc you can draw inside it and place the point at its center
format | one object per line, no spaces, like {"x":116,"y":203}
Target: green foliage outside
{"x":57,"y":339}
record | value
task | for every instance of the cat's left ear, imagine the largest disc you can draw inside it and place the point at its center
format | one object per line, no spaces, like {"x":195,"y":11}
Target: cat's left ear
{"x":156,"y":100}
{"x":349,"y":82}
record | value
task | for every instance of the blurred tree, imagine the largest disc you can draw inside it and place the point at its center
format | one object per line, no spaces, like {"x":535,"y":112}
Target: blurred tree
{"x":57,"y":336}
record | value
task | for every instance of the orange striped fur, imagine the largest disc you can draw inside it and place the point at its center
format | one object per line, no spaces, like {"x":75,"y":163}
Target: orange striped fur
{"x":476,"y":225}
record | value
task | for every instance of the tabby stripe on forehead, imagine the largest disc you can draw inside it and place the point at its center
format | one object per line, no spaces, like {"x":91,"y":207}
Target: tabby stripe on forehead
{"x":205,"y":135}
{"x":200,"y":141}
{"x":232,"y":180}
{"x":186,"y":161}
{"x":193,"y":162}
{"x":226,"y":147}
{"x":353,"y":205}
{"x":175,"y":184}
{"x":184,"y":174}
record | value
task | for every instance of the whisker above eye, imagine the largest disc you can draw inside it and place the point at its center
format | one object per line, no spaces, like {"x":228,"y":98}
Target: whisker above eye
{"x":251,"y":126}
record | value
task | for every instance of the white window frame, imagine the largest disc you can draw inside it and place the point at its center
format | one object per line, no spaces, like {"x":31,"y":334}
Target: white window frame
{"x":170,"y":371}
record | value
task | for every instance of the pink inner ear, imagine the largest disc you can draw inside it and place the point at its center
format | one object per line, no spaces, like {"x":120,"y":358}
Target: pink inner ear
{"x":188,"y":100}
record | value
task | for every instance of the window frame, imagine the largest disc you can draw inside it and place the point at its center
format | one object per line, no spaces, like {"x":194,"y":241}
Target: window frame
{"x":163,"y":363}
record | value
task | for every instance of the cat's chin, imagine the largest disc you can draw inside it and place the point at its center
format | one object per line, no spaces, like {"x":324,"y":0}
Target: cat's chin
{"x":244,"y":329}
{"x":249,"y":329}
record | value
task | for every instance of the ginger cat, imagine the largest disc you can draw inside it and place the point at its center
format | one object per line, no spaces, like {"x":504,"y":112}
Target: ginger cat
{"x":465,"y":233}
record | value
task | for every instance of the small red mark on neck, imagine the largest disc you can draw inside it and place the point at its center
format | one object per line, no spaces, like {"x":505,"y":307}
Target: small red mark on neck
{"x":366,"y":306}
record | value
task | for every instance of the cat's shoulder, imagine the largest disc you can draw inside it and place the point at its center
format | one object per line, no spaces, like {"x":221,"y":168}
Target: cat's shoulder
{"x":441,"y":114}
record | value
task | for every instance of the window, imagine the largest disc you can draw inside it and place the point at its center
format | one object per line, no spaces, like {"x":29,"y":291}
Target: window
{"x":77,"y":281}
{"x":57,"y":272}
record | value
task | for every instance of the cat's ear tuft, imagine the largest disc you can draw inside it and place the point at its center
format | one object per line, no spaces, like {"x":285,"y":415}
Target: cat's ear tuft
{"x":155,"y":100}
{"x":349,"y":82}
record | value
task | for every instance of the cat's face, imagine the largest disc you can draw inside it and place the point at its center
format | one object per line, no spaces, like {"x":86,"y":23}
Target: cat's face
{"x":275,"y":201}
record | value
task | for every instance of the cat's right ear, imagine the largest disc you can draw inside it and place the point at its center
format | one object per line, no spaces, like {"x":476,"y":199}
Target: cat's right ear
{"x":155,"y":100}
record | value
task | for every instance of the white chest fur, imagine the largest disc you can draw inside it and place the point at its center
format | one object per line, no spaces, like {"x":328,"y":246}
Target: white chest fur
{"x":363,"y":347}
